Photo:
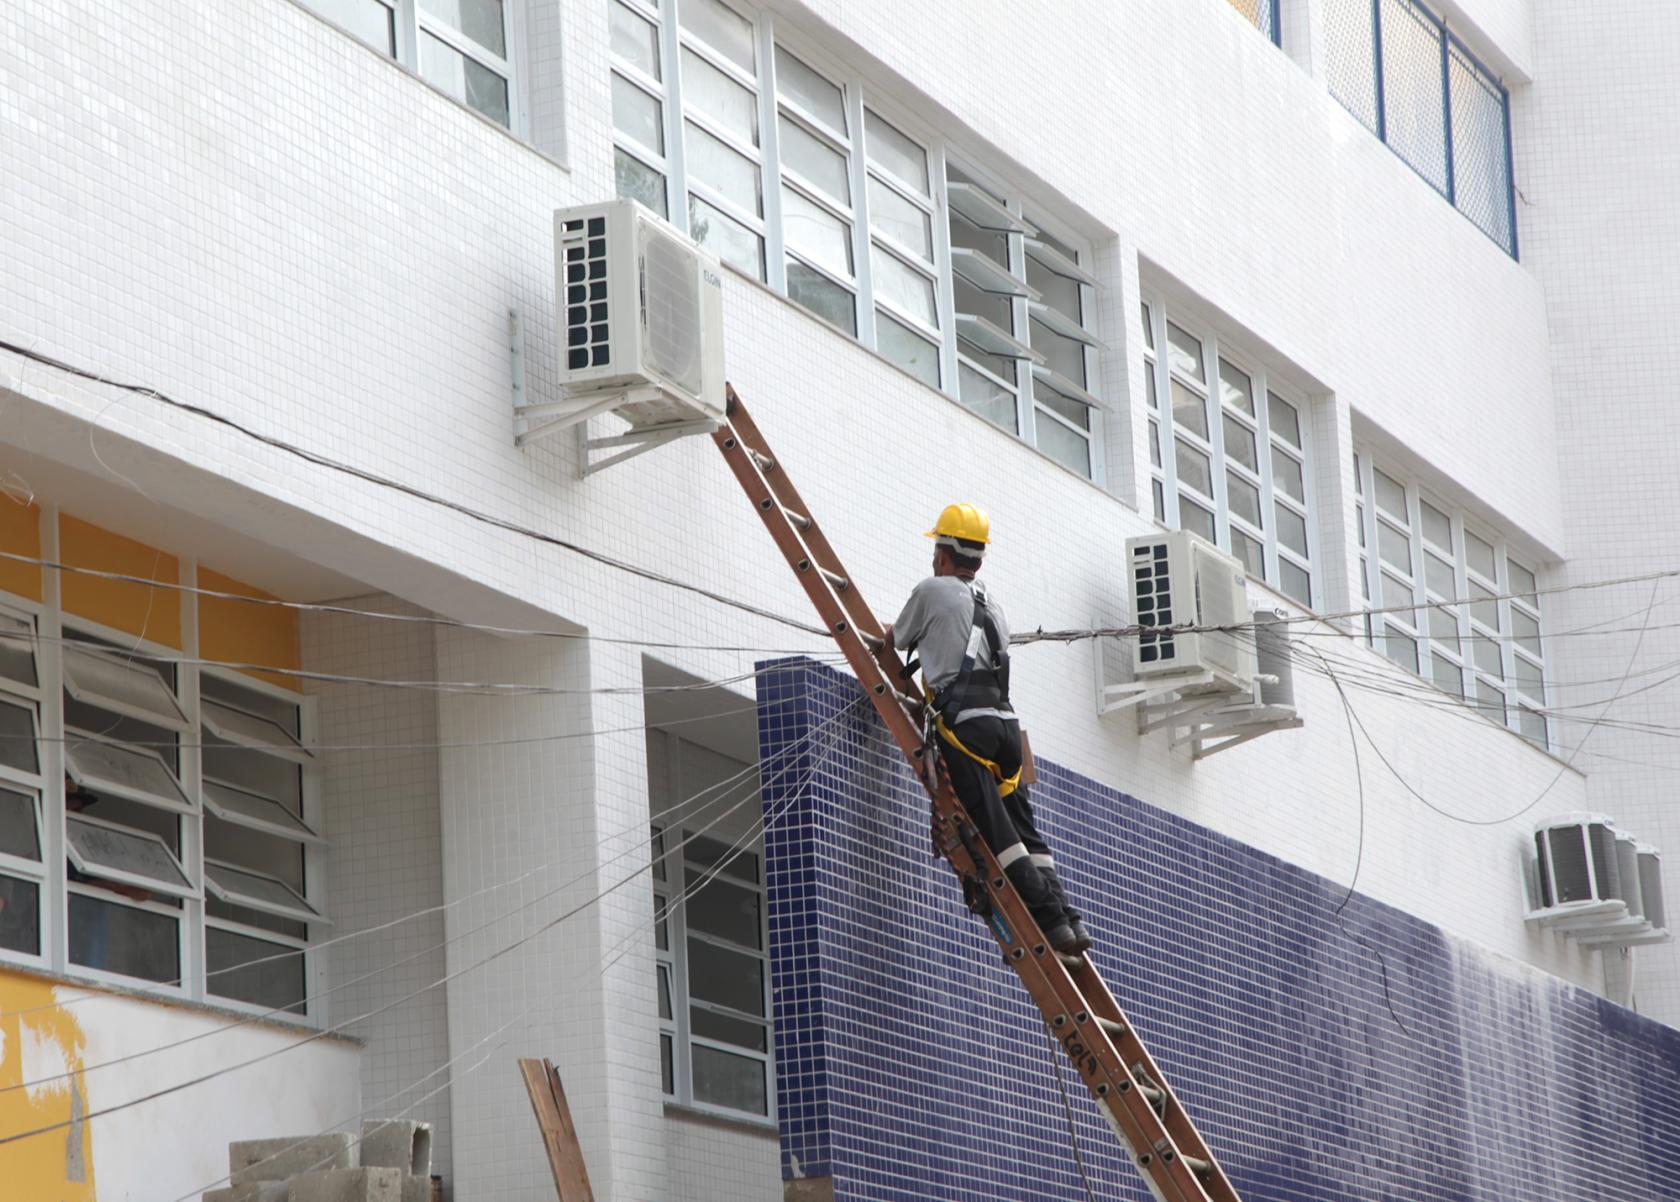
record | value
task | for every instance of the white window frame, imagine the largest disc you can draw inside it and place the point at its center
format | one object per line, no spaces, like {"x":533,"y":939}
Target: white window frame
{"x":1517,"y":708}
{"x":408,"y":20}
{"x":674,"y":960}
{"x":51,"y":625}
{"x":1163,"y":433}
{"x":870,"y":303}
{"x":85,"y":691}
{"x":303,"y":911}
{"x":284,"y":745}
{"x":121,"y":876}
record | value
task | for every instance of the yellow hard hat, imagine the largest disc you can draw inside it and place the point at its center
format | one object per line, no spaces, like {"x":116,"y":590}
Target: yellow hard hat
{"x":964,"y":521}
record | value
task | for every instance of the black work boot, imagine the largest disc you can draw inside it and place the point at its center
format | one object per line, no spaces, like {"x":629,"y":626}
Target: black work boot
{"x":1029,"y":882}
{"x":1077,"y":934}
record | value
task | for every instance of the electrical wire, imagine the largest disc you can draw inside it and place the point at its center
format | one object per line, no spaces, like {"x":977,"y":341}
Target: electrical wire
{"x":1067,"y":1110}
{"x":317,"y":459}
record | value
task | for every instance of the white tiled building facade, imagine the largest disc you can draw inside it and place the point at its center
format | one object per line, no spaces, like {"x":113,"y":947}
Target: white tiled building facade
{"x":1087,"y":265}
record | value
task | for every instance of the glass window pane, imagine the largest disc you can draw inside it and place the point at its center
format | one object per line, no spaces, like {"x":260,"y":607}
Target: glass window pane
{"x":1240,"y":445}
{"x":1184,"y":352}
{"x":1189,"y":409}
{"x":1491,"y":701}
{"x":1399,"y":647}
{"x":1438,"y":576}
{"x":126,"y":686}
{"x":1528,"y":678}
{"x":480,"y":20}
{"x":1069,"y":410}
{"x":729,"y":859}
{"x":255,"y":890}
{"x":1443,"y":627}
{"x":727,"y":170}
{"x":814,"y":291}
{"x":1285,"y":421}
{"x":912,"y":352}
{"x":1437,"y":527}
{"x":721,"y":28}
{"x":666,"y":1073}
{"x":815,"y":160}
{"x":725,"y":237}
{"x":724,"y":1079}
{"x":1295,"y":582}
{"x":986,"y":397}
{"x":1251,"y":551}
{"x":1397,"y":595}
{"x":909,"y":290}
{"x":665,"y":1011}
{"x":1478,"y":552}
{"x":637,"y":115}
{"x":111,"y":937}
{"x":1287,"y":476}
{"x":1532,"y":725}
{"x":1071,"y":450}
{"x":1483,"y":607}
{"x":244,"y":808}
{"x":1394,"y":547}
{"x":661,"y":923}
{"x":20,"y":916}
{"x":1522,"y":582}
{"x":635,"y":180}
{"x":1148,"y":320}
{"x":1292,"y":531}
{"x":810,"y":90}
{"x":816,"y":233}
{"x":19,"y":835}
{"x":275,"y":984}
{"x":1526,"y":630}
{"x":1447,"y":676}
{"x":710,"y":91}
{"x":896,"y":152}
{"x":1056,"y":290}
{"x":17,"y":650}
{"x":721,"y":908}
{"x":1391,"y":497}
{"x":1487,"y":656}
{"x":1065,"y":356}
{"x":468,"y":81}
{"x":709,"y":1025}
{"x":894,"y":216}
{"x":368,"y":20}
{"x":1149,"y":394}
{"x":1243,"y":499}
{"x":726,"y":978}
{"x":1194,"y":469}
{"x":1160,"y":496}
{"x":1155,"y":443}
{"x":1235,"y":388}
{"x":18,"y":748}
{"x":635,"y":40}
{"x":126,"y":770}
{"x":95,"y":847}
{"x":1196,"y":519}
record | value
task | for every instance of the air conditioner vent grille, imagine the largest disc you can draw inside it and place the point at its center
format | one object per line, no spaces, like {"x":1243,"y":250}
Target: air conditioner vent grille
{"x":587,"y":340}
{"x":671,"y":311}
{"x":1154,"y":602}
{"x":1651,"y":890}
{"x":1603,"y":842}
{"x":1569,"y":865}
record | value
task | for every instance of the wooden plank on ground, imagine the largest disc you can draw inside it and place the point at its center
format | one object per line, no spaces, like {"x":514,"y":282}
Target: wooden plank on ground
{"x":554,"y":1117}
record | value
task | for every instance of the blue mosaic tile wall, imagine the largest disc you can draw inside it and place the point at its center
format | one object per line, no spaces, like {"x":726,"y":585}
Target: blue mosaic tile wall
{"x":911,"y":1064}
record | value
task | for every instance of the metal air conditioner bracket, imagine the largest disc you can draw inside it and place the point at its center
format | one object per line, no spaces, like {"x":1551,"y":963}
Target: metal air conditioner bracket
{"x":1235,"y":725}
{"x":1139,"y":692}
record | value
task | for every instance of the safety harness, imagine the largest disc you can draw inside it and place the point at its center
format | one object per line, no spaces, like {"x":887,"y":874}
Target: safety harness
{"x":975,"y":687}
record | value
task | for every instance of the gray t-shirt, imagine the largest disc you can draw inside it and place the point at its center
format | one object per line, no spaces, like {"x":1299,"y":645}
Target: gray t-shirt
{"x":938,"y":625}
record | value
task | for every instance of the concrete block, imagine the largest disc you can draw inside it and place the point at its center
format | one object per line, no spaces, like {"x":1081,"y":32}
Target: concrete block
{"x":394,"y":1144}
{"x":277,"y":1159}
{"x":348,"y":1185}
{"x":416,"y":1189}
{"x":256,"y":1191}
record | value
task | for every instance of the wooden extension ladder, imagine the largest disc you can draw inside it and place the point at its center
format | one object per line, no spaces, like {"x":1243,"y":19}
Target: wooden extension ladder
{"x":1082,"y":1014}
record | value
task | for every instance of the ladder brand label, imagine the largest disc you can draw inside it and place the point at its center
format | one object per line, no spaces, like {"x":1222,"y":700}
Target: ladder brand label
{"x":1001,"y":927}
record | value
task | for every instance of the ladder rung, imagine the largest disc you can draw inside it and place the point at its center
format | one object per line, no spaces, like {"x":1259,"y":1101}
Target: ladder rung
{"x":1115,"y":1030}
{"x":1197,"y":1164}
{"x":1154,"y":1096}
{"x":835,"y":578}
{"x":873,"y":641}
{"x":765,"y":463}
{"x":798,"y":519}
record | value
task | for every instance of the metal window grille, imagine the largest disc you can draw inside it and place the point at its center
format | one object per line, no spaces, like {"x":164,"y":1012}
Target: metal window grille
{"x":1396,"y":66}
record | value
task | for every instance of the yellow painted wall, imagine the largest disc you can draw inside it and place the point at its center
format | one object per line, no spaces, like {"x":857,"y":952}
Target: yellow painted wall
{"x":138,"y":609}
{"x":56,"y":1166}
{"x":20,"y":534}
{"x":235,"y":632}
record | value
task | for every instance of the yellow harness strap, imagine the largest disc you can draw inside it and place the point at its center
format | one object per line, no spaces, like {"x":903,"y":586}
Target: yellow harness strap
{"x":1006,"y":784}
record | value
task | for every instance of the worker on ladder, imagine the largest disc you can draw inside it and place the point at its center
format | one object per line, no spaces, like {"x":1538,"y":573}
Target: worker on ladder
{"x":962,"y":638}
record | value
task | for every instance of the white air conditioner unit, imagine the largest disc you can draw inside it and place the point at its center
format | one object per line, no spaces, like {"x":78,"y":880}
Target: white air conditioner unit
{"x":1639,"y":873}
{"x":1576,"y":876}
{"x":1178,"y":579}
{"x":639,"y":314}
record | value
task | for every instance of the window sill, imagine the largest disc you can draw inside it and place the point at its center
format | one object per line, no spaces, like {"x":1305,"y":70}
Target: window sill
{"x":747,"y":1126}
{"x":233,"y":1013}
